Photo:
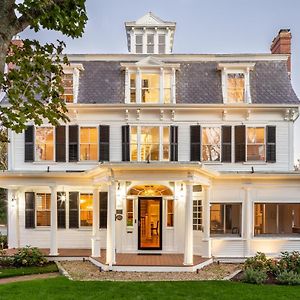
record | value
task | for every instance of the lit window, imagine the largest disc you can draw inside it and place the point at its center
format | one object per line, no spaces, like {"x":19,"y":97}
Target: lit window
{"x":129,"y":212}
{"x":167,"y":88}
{"x":139,"y":43}
{"x":67,"y":83}
{"x":43,"y":209}
{"x":197,"y":214}
{"x":149,"y":143}
{"x":150,"y":88}
{"x":211,"y":144}
{"x":277,"y":218}
{"x":133,"y":143}
{"x":161,"y":43}
{"x":88,"y":143}
{"x":150,"y":43}
{"x":170,"y":213}
{"x":44,"y":143}
{"x":86,"y":209}
{"x":133,"y":88}
{"x":256,"y":143}
{"x":235,"y":87}
{"x":166,"y":143}
{"x":225,"y":219}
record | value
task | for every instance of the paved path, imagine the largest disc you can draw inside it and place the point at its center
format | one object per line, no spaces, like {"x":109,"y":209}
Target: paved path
{"x":28,"y":277}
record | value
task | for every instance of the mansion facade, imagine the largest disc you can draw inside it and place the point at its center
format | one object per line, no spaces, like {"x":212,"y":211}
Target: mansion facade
{"x":164,"y":153}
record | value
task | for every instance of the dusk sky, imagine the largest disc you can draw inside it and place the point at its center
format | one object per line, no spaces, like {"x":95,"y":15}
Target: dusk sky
{"x":214,"y":26}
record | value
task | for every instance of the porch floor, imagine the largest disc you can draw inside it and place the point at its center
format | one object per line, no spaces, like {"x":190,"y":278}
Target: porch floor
{"x":125,"y":259}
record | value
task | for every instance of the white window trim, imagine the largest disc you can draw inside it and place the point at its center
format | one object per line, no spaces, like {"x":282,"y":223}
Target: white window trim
{"x":265,"y":144}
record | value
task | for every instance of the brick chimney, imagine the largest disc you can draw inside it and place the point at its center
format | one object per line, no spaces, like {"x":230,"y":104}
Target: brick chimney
{"x":281,"y":44}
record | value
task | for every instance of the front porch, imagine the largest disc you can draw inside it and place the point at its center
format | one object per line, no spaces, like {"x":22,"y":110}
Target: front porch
{"x":127,"y":262}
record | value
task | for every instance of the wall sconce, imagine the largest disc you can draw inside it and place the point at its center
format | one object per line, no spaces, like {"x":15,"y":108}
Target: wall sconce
{"x":13,"y":202}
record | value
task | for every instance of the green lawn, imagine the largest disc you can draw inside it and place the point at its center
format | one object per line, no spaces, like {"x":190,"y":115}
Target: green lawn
{"x":62,"y":288}
{"x":11,"y":272}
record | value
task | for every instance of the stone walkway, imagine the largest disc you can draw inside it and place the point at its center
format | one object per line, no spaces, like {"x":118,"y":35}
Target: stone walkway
{"x":86,"y":271}
{"x":28,"y":277}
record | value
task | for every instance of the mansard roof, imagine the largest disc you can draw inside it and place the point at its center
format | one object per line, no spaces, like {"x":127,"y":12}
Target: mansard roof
{"x":198,"y":79}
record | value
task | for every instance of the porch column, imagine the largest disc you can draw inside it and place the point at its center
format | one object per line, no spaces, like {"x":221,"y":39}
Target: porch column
{"x":96,"y":250}
{"x":206,"y":220}
{"x":53,"y":232}
{"x":188,"y":249}
{"x":111,"y":225}
{"x":248,"y":222}
{"x":13,"y":219}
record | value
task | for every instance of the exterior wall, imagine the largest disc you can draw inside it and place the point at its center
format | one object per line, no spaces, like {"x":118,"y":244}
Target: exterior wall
{"x":183,"y":119}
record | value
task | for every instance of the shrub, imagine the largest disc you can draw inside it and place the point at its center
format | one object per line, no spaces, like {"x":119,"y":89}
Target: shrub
{"x":254,"y":276}
{"x":28,"y":256}
{"x":289,"y":262}
{"x":261,"y":263}
{"x":3,"y":241}
{"x":5,"y":261}
{"x":289,"y":278}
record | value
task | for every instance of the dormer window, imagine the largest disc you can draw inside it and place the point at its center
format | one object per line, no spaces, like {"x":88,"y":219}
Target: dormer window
{"x":236,"y":82}
{"x":150,"y":81}
{"x":236,"y":88}
{"x":67,"y":83}
{"x":161,"y":43}
{"x":139,"y":43}
{"x":150,"y":43}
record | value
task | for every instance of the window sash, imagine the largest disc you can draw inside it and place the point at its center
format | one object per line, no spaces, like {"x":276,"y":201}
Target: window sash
{"x":256,"y":150}
{"x":43,"y":209}
{"x":197,"y":214}
{"x":89,"y":147}
{"x":235,"y":87}
{"x":129,"y":212}
{"x":86,"y":212}
{"x":211,"y":150}
{"x":44,"y":143}
{"x":68,"y":85}
{"x":170,"y":213}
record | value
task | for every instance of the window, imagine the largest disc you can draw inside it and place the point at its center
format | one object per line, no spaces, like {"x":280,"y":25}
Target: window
{"x":150,"y":43}
{"x":88,"y":143}
{"x":44,"y":143}
{"x":256,"y":144}
{"x":170,"y":213}
{"x":139,"y":43}
{"x":43,"y":209}
{"x":167,"y":88}
{"x":103,"y":209}
{"x":67,"y":83}
{"x":225,"y":219}
{"x":197,"y":214}
{"x":211,"y":144}
{"x":132,"y":88}
{"x":129,"y":212}
{"x":86,"y":209}
{"x":166,"y":143}
{"x":235,"y":87}
{"x":150,"y":88}
{"x":161,"y":43}
{"x":277,"y":218}
{"x":149,"y":143}
{"x":133,"y":143}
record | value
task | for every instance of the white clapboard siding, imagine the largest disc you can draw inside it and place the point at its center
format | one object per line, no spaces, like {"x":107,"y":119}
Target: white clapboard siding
{"x":227,"y":247}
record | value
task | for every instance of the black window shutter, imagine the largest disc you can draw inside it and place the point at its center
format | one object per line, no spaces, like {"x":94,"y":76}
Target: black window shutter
{"x":60,"y":143}
{"x":29,"y":144}
{"x":73,"y":143}
{"x":226,"y":143}
{"x":29,"y":210}
{"x":174,"y":143}
{"x":240,"y":143}
{"x":125,"y":143}
{"x":271,"y":144}
{"x":103,"y":143}
{"x":61,"y":210}
{"x":195,"y":132}
{"x":73,"y":210}
{"x":103,"y":197}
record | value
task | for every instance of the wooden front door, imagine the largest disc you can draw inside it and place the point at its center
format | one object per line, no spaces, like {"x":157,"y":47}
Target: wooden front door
{"x":150,"y":223}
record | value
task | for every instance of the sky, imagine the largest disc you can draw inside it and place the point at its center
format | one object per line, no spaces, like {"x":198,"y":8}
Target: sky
{"x":214,"y":26}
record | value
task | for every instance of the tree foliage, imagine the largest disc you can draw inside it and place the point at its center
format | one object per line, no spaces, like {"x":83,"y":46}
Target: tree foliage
{"x":33,"y":85}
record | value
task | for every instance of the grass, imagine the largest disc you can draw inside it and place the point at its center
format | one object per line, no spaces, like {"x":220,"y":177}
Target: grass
{"x":11,"y":272}
{"x":62,"y":288}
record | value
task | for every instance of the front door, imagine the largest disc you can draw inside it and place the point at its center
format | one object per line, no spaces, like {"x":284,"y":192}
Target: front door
{"x":149,"y":223}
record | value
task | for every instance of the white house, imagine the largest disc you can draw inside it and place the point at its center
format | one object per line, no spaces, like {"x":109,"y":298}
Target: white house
{"x":165,"y":153}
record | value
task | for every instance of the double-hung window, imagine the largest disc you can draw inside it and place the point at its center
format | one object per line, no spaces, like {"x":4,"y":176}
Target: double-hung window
{"x":86,"y":210}
{"x":43,"y":209}
{"x":88,"y":143}
{"x":129,"y":212}
{"x":44,"y":144}
{"x":139,"y":43}
{"x":235,"y":88}
{"x":67,"y":83}
{"x":161,"y":43}
{"x":150,"y":88}
{"x":149,"y":143}
{"x":256,"y":149}
{"x":211,"y":144}
{"x":150,"y":43}
{"x":170,"y":213}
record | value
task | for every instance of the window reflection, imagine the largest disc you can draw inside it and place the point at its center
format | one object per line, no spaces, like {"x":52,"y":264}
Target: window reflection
{"x":150,"y":88}
{"x":88,"y":143}
{"x":86,"y":209}
{"x":44,"y":143}
{"x":256,"y":143}
{"x":211,"y":144}
{"x":235,"y":87}
{"x":43,"y":202}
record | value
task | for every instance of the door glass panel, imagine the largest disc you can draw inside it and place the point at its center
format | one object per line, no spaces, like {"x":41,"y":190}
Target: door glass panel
{"x":149,"y":223}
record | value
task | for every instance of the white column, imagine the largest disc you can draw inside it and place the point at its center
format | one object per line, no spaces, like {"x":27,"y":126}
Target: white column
{"x":173,"y":86}
{"x":248,"y":222}
{"x":144,"y":41}
{"x":13,"y":218}
{"x":111,"y":225}
{"x":161,"y":86}
{"x":127,"y":86}
{"x":138,"y":86}
{"x":132,"y":41}
{"x":96,"y":249}
{"x":206,"y":220}
{"x":53,"y":232}
{"x":188,"y":247}
{"x":168,"y":41}
{"x":156,"y":41}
